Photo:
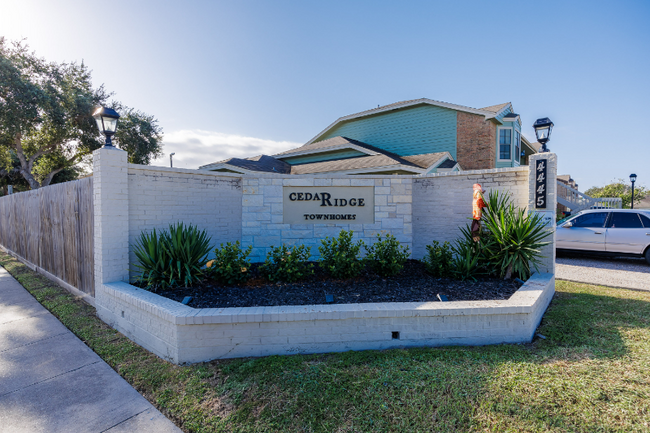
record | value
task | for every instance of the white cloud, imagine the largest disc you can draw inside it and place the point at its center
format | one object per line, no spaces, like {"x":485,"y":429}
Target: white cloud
{"x":194,"y":148}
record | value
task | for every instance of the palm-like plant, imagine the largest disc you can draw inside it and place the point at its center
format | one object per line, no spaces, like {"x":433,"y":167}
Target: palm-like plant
{"x":515,"y":237}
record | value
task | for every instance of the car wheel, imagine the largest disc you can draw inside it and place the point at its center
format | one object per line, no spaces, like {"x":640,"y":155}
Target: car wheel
{"x":647,"y":256}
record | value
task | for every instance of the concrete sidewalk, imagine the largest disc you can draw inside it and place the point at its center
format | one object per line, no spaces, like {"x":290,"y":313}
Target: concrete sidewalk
{"x":50,"y":381}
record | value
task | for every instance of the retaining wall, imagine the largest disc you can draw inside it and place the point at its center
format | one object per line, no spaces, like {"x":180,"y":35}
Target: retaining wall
{"x":183,"y":335}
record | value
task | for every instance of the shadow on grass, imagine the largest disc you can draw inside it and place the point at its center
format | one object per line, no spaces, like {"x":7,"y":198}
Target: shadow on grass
{"x":588,"y":375}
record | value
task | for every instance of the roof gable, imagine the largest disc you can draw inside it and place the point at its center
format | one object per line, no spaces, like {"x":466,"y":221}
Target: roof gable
{"x":489,"y":112}
{"x":329,"y":145}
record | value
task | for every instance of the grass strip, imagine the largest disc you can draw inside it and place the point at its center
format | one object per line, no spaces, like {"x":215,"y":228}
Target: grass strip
{"x":590,"y":374}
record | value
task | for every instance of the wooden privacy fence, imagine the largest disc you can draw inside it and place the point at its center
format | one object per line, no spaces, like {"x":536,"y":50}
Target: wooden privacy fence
{"x":52,"y":228}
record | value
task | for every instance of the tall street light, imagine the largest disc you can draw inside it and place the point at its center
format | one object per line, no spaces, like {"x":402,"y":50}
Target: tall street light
{"x":106,"y":119}
{"x":632,"y":179}
{"x":171,"y":163}
{"x":543,"y":128}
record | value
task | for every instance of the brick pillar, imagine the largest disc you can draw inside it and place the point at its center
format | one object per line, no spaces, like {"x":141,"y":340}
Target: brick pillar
{"x":111,"y":195}
{"x":548,"y":262}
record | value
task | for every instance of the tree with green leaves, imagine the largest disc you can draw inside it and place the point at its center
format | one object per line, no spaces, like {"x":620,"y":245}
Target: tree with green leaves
{"x":46,"y":119}
{"x":620,"y":189}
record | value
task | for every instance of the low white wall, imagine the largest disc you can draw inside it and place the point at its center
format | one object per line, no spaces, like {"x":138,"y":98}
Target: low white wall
{"x":184,"y":335}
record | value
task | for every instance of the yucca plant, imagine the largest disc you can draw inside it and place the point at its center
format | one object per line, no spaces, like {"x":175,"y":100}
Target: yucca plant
{"x":465,"y":259}
{"x":515,"y":237}
{"x":173,"y":257}
{"x":188,"y":249}
{"x":153,"y":261}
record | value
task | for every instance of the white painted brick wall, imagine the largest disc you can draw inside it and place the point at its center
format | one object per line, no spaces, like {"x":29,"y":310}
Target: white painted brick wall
{"x":159,"y":197}
{"x":111,"y":215}
{"x":442,"y":203}
{"x":183,"y":334}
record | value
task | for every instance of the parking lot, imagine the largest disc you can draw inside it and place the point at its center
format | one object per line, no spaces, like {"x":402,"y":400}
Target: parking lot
{"x":629,"y":273}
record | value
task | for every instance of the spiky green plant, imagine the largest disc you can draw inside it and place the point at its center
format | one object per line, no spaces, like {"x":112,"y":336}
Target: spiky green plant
{"x":173,"y":257}
{"x":465,"y":258}
{"x":515,"y":237}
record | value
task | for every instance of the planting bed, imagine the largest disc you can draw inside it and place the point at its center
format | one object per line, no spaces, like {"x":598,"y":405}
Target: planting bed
{"x":413,"y":284}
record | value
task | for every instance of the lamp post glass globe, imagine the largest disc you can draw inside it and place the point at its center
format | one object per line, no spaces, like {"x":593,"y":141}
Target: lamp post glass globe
{"x":633,"y":178}
{"x":106,"y":119}
{"x":543,"y":128}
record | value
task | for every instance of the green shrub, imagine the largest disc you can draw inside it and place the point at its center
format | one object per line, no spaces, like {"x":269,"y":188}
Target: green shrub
{"x":231,"y":264}
{"x":437,"y":262}
{"x":387,"y":257}
{"x":340,"y":256}
{"x":173,"y":257}
{"x":515,"y":237}
{"x":287,"y":264}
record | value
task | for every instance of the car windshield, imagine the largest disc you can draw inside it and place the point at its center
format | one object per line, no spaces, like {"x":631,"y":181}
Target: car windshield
{"x":567,"y":218}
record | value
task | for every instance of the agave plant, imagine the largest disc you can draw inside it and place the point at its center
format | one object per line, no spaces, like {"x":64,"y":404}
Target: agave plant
{"x":153,"y":261}
{"x":171,"y":258}
{"x":515,"y":237}
{"x":466,"y":255}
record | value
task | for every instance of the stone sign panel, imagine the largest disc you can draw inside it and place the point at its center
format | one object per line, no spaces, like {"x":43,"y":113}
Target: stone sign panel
{"x":328,"y":204}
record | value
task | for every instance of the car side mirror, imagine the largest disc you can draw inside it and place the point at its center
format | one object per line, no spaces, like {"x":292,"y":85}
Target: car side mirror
{"x":568,"y":225}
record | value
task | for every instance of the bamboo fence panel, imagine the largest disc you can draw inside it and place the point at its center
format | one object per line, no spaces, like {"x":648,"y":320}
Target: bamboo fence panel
{"x":52,"y":228}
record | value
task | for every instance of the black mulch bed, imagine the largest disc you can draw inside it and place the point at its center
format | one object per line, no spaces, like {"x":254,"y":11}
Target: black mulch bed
{"x":413,"y":284}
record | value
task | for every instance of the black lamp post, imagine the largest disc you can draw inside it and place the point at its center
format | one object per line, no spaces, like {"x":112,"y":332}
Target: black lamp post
{"x":171,"y":163}
{"x":543,"y":128}
{"x":632,"y":179}
{"x":106,"y":119}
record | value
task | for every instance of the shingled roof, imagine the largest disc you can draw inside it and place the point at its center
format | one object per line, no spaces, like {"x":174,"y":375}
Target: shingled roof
{"x":376,"y":158}
{"x":263,"y":163}
{"x":334,"y":143}
{"x":360,"y":163}
{"x":495,"y":108}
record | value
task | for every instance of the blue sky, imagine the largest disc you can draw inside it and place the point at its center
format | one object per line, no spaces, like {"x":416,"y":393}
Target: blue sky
{"x":237,"y":78}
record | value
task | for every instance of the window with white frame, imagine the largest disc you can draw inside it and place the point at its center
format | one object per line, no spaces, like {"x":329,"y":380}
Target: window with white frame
{"x":517,"y":146}
{"x":505,"y":143}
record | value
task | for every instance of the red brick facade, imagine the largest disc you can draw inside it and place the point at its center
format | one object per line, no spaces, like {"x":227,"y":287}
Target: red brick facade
{"x":475,"y":141}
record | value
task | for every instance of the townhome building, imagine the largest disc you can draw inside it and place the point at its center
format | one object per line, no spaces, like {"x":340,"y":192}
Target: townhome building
{"x":419,"y":136}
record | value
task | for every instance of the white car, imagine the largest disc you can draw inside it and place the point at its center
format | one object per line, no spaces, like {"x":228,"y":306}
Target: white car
{"x":619,"y":232}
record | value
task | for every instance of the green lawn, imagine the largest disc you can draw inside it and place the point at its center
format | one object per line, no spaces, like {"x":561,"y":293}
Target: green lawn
{"x":590,"y":374}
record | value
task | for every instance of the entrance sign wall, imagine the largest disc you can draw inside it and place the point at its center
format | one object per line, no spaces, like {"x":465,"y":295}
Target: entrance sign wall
{"x":416,"y":210}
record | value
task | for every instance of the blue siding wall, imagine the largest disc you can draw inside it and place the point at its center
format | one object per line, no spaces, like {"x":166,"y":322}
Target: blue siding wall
{"x":409,"y":131}
{"x":325,"y":156}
